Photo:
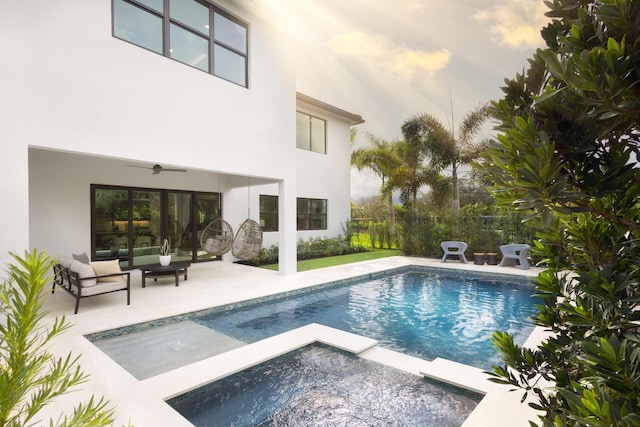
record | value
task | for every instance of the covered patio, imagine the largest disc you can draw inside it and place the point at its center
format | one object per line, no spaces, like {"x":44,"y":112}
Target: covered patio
{"x":183,"y":199}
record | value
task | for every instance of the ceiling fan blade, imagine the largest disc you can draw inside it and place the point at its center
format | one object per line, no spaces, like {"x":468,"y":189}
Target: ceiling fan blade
{"x":158,"y":168}
{"x":171,"y":170}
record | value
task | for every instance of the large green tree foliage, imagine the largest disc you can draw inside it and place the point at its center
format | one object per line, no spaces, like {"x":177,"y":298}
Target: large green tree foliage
{"x":422,"y":154}
{"x":429,"y":147}
{"x":382,"y":158}
{"x":568,"y":151}
{"x":462,"y":148}
{"x":30,"y":376}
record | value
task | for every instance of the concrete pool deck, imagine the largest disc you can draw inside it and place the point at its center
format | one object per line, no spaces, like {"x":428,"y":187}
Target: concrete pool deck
{"x":141,"y":402}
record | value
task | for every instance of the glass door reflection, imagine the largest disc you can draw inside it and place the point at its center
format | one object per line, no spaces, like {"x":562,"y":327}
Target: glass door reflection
{"x":207,"y":210}
{"x":180,"y":230}
{"x":146,"y":226}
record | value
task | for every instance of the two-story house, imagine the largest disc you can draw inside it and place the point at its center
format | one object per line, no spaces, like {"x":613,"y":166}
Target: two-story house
{"x":94,"y":93}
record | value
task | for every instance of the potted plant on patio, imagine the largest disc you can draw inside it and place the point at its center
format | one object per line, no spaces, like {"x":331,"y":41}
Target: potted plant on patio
{"x":165,"y":253}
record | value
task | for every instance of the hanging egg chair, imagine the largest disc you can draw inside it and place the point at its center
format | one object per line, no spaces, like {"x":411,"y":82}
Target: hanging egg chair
{"x":248,"y":240}
{"x":217,"y":237}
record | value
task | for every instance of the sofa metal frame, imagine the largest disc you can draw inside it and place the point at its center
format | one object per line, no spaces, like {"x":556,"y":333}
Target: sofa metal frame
{"x":70,"y":282}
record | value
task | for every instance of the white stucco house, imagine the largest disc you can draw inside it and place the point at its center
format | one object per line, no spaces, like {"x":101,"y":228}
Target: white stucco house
{"x":95,"y":93}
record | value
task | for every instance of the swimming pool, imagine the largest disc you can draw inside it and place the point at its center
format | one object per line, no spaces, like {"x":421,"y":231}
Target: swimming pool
{"x":423,"y":312}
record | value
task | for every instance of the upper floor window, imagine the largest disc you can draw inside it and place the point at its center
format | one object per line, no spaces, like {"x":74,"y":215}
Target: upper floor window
{"x":197,"y":34}
{"x":312,"y":214}
{"x":310,"y":133}
{"x":269,"y":213}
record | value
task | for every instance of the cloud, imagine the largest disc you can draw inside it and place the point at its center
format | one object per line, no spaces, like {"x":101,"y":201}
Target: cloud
{"x":416,"y":6}
{"x":379,"y":52}
{"x":516,"y":22}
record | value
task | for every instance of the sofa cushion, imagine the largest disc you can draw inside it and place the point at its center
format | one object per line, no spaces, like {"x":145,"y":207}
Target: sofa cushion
{"x":103,"y":268}
{"x":65,"y":261}
{"x":83,"y":257}
{"x":83,"y":270}
{"x":104,"y":287}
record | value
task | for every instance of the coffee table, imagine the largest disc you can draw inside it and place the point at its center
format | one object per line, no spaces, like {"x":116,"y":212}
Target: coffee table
{"x":156,"y":270}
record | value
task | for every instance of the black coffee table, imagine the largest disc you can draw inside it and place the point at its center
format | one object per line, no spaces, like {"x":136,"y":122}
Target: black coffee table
{"x":156,"y":270}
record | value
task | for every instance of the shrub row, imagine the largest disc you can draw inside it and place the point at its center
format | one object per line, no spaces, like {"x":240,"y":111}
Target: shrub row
{"x":308,"y":249}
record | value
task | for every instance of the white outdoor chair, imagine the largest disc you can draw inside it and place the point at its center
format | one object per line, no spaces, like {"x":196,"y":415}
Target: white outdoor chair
{"x":515,"y":252}
{"x":454,"y":248}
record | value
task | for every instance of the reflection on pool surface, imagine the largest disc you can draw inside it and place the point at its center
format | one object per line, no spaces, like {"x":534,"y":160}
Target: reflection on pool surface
{"x":321,"y":386}
{"x":423,"y":314}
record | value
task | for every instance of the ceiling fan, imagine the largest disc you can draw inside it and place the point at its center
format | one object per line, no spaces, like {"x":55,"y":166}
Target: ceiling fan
{"x":158,"y":168}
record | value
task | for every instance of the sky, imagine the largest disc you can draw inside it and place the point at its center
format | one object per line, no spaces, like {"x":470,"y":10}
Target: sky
{"x":389,"y":60}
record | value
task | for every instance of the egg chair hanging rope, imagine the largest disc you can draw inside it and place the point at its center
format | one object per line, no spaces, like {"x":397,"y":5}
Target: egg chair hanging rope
{"x":217,"y":237}
{"x":248,"y":238}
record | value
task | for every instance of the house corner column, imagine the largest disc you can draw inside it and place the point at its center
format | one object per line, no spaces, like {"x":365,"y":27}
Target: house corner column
{"x":287,"y":253}
{"x":14,"y":209}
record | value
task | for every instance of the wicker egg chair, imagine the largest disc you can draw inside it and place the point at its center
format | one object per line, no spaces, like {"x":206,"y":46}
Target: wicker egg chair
{"x":217,"y":237}
{"x":248,"y":240}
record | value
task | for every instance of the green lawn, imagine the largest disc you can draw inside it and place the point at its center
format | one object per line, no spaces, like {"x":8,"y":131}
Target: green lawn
{"x":311,"y":264}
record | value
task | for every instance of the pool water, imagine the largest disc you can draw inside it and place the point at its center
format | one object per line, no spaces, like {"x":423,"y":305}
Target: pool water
{"x":421,"y":314}
{"x":321,"y":386}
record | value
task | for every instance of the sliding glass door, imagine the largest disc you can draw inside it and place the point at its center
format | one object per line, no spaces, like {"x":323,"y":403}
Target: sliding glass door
{"x":129,"y":224}
{"x":207,"y":209}
{"x":110,"y":224}
{"x":180,"y":225}
{"x":147,"y":225}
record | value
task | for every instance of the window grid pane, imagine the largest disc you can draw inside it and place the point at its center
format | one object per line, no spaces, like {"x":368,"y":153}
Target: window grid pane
{"x":303,"y":131}
{"x":311,"y":214}
{"x":229,"y":65}
{"x":310,"y":133}
{"x":189,"y":48}
{"x":269,"y":213}
{"x":318,"y":135}
{"x":230,"y":33}
{"x":137,"y":26}
{"x":190,"y":13}
{"x":157,"y":5}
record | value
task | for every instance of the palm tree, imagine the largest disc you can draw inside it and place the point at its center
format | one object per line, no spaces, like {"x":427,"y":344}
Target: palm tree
{"x":462,"y":149}
{"x":444,"y":148}
{"x":422,"y":156}
{"x":382,"y":158}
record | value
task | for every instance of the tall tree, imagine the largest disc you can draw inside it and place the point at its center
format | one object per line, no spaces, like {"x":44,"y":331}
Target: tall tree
{"x":462,"y":147}
{"x":450,"y":147}
{"x":568,"y":152}
{"x":421,"y":153}
{"x":382,"y":158}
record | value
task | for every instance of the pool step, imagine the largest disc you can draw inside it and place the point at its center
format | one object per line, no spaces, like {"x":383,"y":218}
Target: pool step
{"x":194,"y":375}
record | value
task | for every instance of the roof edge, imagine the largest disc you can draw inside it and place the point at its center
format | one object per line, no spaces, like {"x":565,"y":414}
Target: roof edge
{"x":355,"y":119}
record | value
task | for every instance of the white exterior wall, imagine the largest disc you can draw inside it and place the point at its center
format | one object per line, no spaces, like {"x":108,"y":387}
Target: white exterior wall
{"x":77,"y":105}
{"x":321,"y":176}
{"x":327,"y":176}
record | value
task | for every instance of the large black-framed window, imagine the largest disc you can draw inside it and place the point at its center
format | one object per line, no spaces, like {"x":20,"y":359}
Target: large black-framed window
{"x":269,"y":213}
{"x":311,"y":214}
{"x":129,"y":223}
{"x":193,"y":32}
{"x":311,"y":133}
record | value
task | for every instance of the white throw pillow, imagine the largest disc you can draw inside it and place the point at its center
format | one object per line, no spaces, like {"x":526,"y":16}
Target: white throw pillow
{"x":103,"y":268}
{"x":83,"y":270}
